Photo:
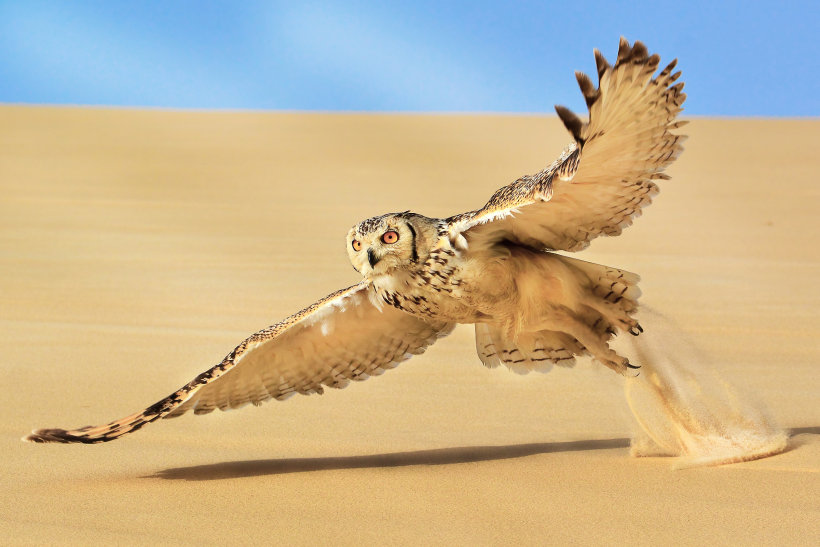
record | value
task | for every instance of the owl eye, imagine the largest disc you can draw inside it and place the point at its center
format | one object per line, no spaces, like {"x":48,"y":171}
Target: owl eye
{"x":357,"y":245}
{"x":390,"y":237}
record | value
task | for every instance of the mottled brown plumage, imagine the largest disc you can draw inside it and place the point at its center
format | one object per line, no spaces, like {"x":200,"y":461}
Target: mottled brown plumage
{"x":492,"y":267}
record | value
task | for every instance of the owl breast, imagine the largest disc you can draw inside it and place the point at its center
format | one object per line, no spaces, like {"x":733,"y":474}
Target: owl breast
{"x":434,"y":289}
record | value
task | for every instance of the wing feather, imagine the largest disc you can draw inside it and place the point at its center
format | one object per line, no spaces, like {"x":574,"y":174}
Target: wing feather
{"x":345,"y":336}
{"x":602,"y":181}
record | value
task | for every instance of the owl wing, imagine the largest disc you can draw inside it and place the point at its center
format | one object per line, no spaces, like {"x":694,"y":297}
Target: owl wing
{"x":600,"y":182}
{"x":345,"y":336}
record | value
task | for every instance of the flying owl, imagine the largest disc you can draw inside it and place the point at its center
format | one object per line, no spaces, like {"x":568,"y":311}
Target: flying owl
{"x":495,"y":268}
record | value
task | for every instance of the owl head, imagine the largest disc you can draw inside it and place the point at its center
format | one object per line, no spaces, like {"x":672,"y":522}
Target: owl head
{"x":383,"y":244}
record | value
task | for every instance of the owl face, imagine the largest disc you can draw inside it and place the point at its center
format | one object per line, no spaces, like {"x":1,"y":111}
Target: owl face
{"x":379,"y":245}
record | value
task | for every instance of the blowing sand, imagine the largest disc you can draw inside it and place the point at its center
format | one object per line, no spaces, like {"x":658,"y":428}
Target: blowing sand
{"x":686,"y":410}
{"x":138,"y":247}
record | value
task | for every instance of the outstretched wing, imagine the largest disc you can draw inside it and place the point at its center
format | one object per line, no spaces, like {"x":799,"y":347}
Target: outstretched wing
{"x":602,"y":180}
{"x":343,"y":337}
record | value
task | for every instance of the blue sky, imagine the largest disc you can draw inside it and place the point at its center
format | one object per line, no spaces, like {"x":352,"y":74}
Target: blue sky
{"x":738,"y":58}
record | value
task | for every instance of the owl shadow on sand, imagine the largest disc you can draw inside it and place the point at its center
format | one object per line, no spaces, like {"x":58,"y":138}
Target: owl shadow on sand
{"x":436,"y":456}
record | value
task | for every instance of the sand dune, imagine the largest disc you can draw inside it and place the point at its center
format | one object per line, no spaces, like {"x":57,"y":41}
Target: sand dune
{"x":137,"y":247}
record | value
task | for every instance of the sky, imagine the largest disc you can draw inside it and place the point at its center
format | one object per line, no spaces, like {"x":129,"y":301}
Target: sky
{"x":738,"y":58}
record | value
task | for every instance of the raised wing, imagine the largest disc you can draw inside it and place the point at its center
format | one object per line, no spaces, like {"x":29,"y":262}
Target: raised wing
{"x":600,"y":182}
{"x":343,"y":337}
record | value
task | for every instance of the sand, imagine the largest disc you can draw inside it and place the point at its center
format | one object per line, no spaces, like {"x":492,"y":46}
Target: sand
{"x":138,"y":247}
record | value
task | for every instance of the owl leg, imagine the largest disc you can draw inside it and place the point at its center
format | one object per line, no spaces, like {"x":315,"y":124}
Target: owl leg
{"x":613,"y":314}
{"x":594,"y":342}
{"x":612,"y":294}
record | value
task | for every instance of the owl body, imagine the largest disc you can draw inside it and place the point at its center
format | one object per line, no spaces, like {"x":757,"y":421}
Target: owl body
{"x":536,"y":307}
{"x":496,"y":268}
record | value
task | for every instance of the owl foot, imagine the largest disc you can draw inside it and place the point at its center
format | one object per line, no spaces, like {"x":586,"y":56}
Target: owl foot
{"x":628,"y":372}
{"x":622,"y":366}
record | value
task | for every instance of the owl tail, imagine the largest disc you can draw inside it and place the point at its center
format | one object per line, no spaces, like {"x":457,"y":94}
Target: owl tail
{"x":532,"y":351}
{"x":594,"y":304}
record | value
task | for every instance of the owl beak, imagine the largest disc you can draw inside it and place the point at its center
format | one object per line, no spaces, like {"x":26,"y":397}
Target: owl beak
{"x":372,"y":258}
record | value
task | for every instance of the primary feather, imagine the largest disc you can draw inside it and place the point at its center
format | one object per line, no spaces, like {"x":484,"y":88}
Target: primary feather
{"x":601,"y":182}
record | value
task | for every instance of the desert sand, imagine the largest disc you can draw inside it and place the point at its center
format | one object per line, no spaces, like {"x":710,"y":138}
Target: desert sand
{"x":138,"y":247}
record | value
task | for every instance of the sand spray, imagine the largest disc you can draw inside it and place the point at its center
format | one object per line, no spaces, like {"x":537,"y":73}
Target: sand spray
{"x":685,"y":410}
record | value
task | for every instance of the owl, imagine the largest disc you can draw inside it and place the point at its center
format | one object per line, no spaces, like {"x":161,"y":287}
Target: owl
{"x":495,"y":268}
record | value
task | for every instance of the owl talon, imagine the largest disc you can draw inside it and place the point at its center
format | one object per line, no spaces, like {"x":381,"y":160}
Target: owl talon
{"x":630,"y":365}
{"x":636,"y":330}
